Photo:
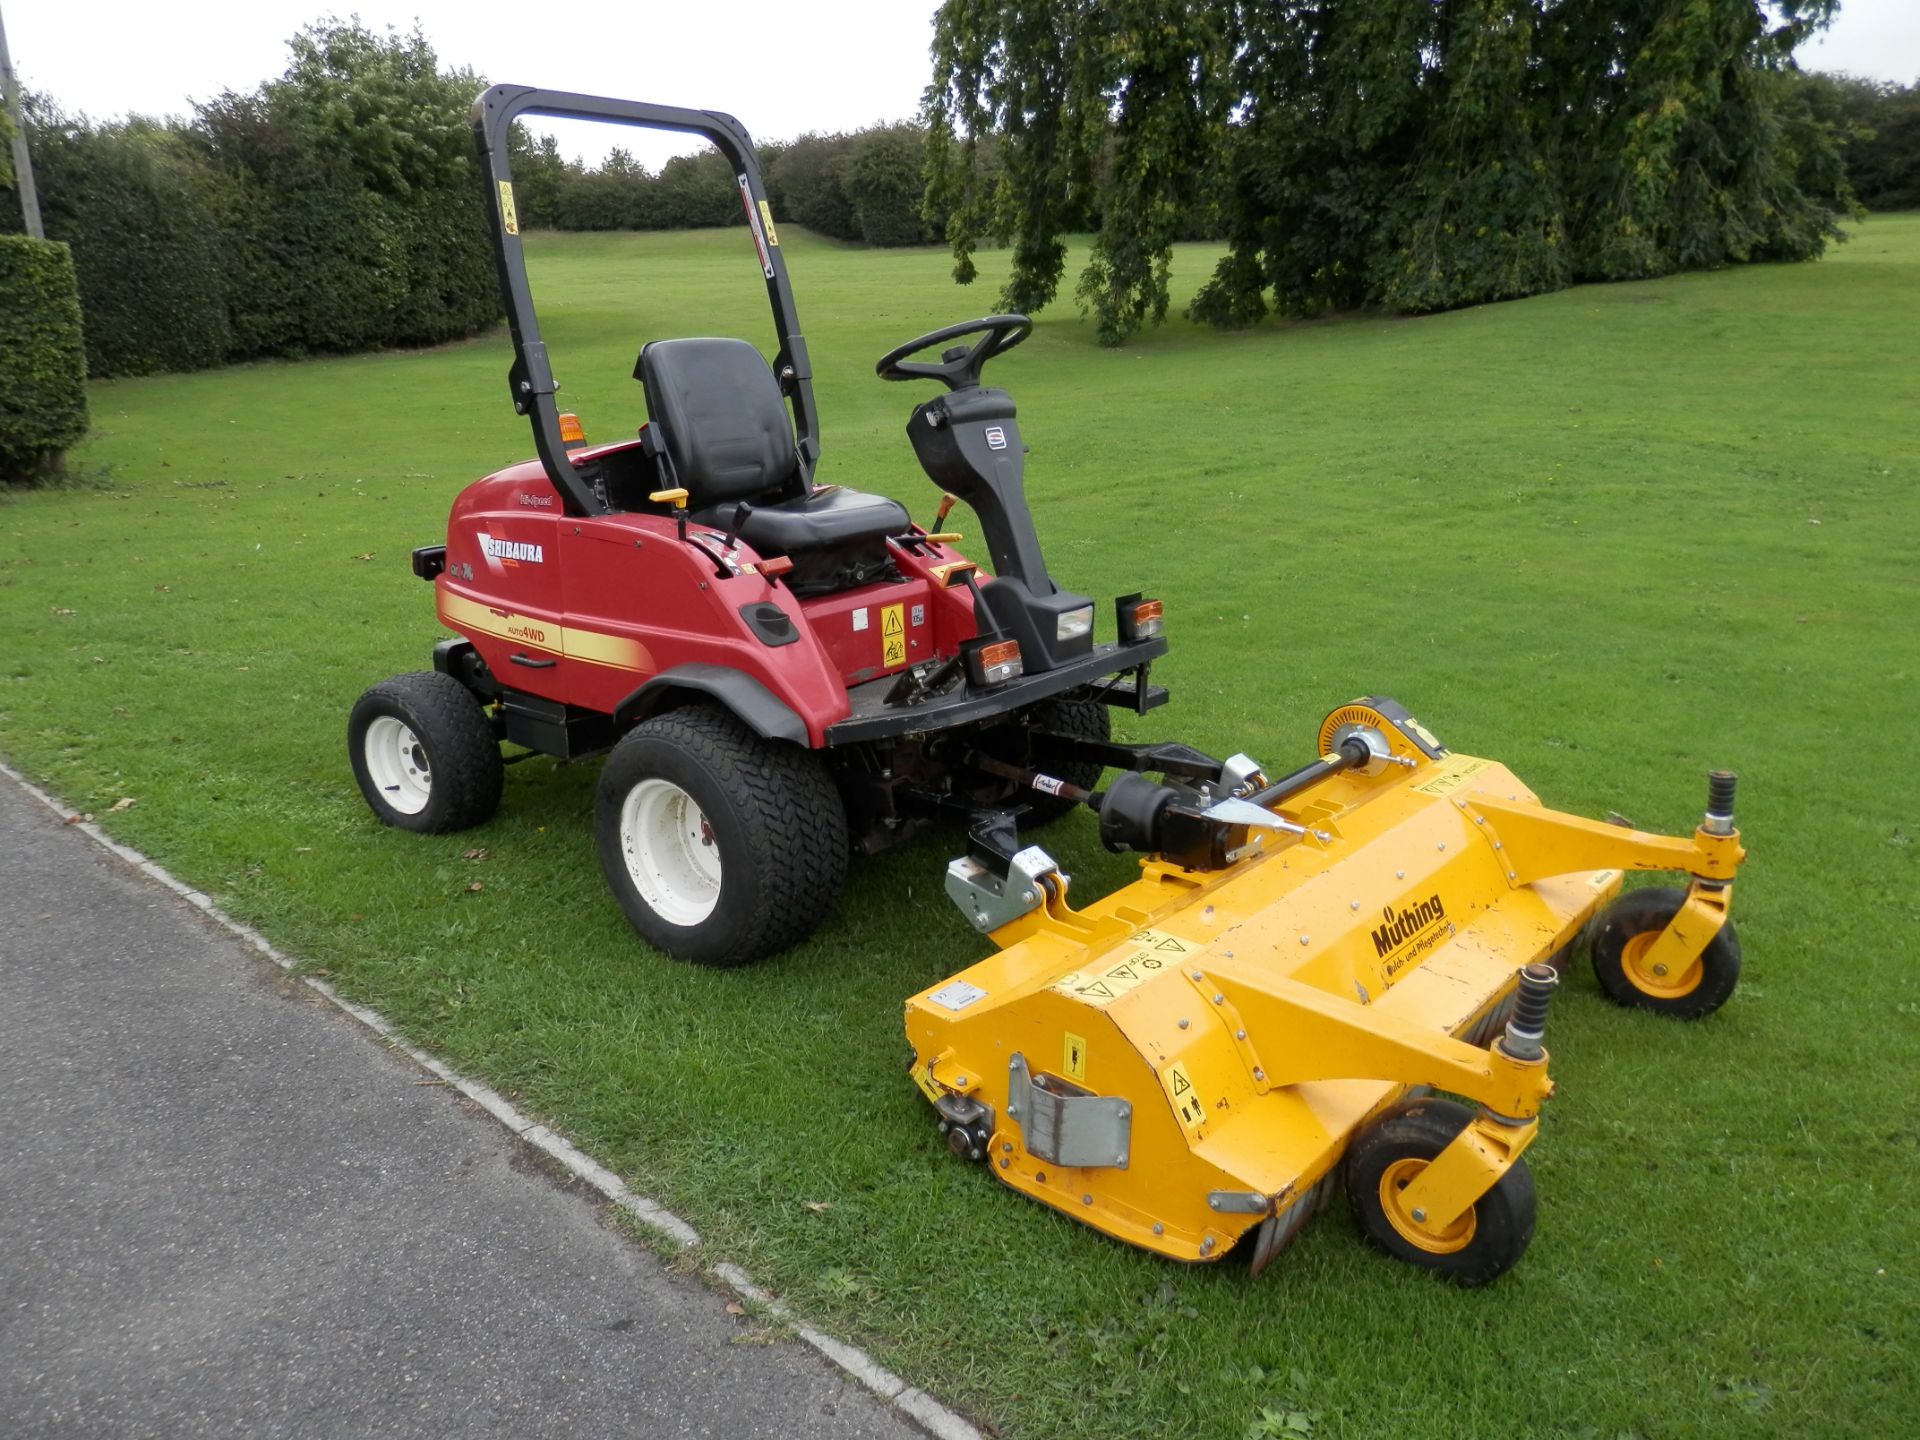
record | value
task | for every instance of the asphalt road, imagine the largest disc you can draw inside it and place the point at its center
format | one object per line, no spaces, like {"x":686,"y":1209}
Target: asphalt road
{"x":225,"y":1210}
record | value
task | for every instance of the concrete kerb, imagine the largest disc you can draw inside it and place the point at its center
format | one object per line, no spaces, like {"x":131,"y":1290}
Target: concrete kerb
{"x":913,"y":1403}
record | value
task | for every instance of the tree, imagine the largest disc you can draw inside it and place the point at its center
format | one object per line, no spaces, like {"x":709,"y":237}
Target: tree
{"x":1404,"y":153}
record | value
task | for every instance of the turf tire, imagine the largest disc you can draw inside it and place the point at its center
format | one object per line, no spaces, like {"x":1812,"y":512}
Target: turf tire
{"x":1082,"y":719}
{"x":454,"y":737}
{"x":1645,"y":913}
{"x":1406,"y":1136}
{"x":778,"y":826}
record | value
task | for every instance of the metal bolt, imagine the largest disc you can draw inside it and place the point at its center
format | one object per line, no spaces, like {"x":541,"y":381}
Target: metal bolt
{"x":1195,"y":974}
{"x":1007,"y":1146}
{"x":1511,"y":875}
{"x":1306,"y":939}
{"x":1086,"y":1199}
{"x":1239,"y":1034}
{"x":959,"y":1079}
{"x":1258,"y":1073}
{"x":1353,"y":904}
{"x":1125,"y":1111}
{"x":1399,"y":874}
{"x":1443,"y":845}
{"x":1213,"y":1201}
{"x":1039,"y":1177}
{"x":1496,"y":844}
{"x":1004,"y":1162}
{"x":1185,"y":1023}
{"x":1012,"y":1109}
{"x":1219,"y":999}
{"x":1206,"y":1246}
{"x":1420,"y":1216}
{"x":1478,"y":819}
{"x":1121,"y":1159}
{"x":1158,"y":1228}
{"x":1659,"y":969}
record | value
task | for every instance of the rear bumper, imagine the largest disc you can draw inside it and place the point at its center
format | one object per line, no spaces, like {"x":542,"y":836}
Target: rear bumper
{"x":873,"y":719}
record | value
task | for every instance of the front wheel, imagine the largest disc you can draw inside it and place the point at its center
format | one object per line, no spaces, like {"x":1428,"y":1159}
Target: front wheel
{"x":424,"y":754}
{"x":1622,"y":946}
{"x":1478,"y":1246}
{"x":721,"y":846}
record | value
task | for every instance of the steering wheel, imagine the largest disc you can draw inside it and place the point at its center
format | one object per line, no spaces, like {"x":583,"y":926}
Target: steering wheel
{"x":959,"y":367}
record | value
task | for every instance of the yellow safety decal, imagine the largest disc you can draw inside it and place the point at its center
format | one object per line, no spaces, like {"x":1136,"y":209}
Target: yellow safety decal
{"x":1149,"y":952}
{"x":893,"y":635}
{"x":1074,"y":1057}
{"x":1452,"y":774}
{"x":923,"y":1077}
{"x":509,"y":218}
{"x":766,"y":223}
{"x":1186,"y":1100}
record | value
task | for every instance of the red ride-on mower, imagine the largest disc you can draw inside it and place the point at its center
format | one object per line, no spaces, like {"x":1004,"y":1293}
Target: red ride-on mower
{"x":781,"y":672}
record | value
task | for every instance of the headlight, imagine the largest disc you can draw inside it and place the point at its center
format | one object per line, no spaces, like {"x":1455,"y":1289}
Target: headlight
{"x":1072,"y":624}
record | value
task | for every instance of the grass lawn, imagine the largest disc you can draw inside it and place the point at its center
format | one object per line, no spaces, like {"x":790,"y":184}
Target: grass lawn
{"x":1613,"y":536}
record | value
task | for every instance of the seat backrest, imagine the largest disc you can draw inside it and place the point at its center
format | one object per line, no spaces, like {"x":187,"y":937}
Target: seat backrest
{"x":722,"y":418}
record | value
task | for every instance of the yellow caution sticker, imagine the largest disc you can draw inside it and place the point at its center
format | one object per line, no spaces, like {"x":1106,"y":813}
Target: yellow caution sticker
{"x":893,"y":635}
{"x":509,"y":217}
{"x":1073,"y":1059}
{"x":1187,"y":1103}
{"x":1451,"y":774}
{"x":1148,"y":953}
{"x":766,"y":223}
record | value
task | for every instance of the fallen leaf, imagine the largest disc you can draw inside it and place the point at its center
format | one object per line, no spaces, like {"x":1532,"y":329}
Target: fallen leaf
{"x":819,"y":1207}
{"x":125,"y":802}
{"x":78,"y":819}
{"x":476,"y":885}
{"x":61,"y":610}
{"x":734,"y":1307}
{"x":164,"y":589}
{"x":367,"y":556}
{"x":473,"y":855}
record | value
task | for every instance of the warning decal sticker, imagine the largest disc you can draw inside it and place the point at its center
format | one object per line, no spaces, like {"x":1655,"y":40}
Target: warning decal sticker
{"x":1073,"y":1058}
{"x":1186,"y":1100}
{"x":893,"y":635}
{"x":1148,"y":952}
{"x":509,"y":218}
{"x":1453,"y":773}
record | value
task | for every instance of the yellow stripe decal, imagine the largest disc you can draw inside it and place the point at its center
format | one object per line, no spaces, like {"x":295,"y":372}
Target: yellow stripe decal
{"x":593,"y":647}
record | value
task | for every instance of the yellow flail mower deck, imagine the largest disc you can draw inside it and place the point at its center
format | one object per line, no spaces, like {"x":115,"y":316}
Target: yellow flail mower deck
{"x":1186,"y":1063}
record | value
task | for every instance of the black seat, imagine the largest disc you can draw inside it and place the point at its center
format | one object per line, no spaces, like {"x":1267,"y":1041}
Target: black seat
{"x":723,"y":425}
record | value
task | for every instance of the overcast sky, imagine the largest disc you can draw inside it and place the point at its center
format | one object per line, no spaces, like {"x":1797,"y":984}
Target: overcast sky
{"x":782,"y":66}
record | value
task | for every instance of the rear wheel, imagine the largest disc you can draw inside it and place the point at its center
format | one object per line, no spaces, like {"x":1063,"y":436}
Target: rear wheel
{"x":1479,"y":1245}
{"x":1622,"y":948}
{"x":721,"y":846}
{"x":424,"y":754}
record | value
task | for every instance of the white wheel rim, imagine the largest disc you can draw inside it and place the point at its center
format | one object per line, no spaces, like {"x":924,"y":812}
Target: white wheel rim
{"x":671,"y":852}
{"x":397,"y":764}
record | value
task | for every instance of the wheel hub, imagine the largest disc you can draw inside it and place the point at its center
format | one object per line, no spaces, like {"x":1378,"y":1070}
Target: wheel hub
{"x":398,"y":765}
{"x":1656,"y":980}
{"x":671,"y":851}
{"x":1411,"y":1224}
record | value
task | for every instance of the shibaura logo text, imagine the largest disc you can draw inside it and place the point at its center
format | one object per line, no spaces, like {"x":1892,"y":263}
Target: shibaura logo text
{"x":1402,"y":925}
{"x":511,"y":550}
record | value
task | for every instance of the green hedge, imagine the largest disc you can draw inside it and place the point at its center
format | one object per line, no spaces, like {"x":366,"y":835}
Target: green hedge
{"x":130,"y":201}
{"x":43,"y":367}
